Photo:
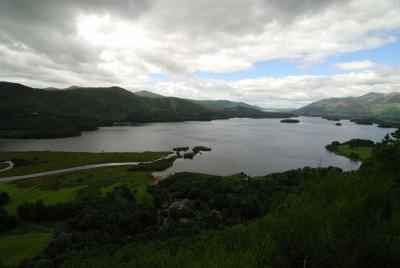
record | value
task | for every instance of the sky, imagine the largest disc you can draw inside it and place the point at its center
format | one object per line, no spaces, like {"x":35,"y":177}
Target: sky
{"x":271,"y":53}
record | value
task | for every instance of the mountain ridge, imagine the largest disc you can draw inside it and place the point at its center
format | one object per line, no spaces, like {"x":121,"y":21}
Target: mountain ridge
{"x":370,"y":104}
{"x":210,"y":104}
{"x":27,"y":112}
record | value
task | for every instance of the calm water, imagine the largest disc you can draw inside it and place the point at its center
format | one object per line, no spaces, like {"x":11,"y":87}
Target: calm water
{"x":254,"y":146}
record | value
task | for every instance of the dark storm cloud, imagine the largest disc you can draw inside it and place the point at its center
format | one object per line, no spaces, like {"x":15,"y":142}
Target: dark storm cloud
{"x":233,"y":16}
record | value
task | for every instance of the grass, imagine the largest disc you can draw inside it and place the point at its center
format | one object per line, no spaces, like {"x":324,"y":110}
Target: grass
{"x":362,"y":152}
{"x":58,"y":188}
{"x":20,"y":195}
{"x":16,"y":247}
{"x":54,"y":189}
{"x":34,"y":162}
{"x":137,"y":181}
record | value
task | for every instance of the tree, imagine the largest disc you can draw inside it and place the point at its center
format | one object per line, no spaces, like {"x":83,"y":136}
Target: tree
{"x":6,"y":221}
{"x":4,"y":198}
{"x":392,"y":138}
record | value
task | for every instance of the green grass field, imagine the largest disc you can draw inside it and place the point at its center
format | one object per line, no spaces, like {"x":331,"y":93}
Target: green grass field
{"x":58,"y":188}
{"x":16,"y":247}
{"x":362,"y":152}
{"x":34,"y":162}
{"x":64,"y":187}
{"x":20,"y":195}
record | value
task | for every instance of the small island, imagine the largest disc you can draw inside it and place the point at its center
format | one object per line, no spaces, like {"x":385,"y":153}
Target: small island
{"x":290,"y":121}
{"x":196,"y":150}
{"x":338,"y":124}
{"x":331,"y":117}
{"x":179,"y":149}
{"x":354,"y":149}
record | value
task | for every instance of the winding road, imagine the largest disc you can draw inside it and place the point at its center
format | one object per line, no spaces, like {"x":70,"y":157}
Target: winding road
{"x":85,"y":167}
{"x":10,"y":166}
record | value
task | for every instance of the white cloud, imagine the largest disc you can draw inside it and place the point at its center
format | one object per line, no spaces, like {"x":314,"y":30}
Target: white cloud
{"x":99,"y":43}
{"x":290,"y":91}
{"x":354,"y":65}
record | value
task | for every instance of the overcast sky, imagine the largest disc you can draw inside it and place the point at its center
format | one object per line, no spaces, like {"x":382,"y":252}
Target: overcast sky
{"x":273,"y":53}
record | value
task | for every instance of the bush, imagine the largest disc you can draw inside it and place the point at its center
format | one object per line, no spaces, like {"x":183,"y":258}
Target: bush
{"x":360,"y":143}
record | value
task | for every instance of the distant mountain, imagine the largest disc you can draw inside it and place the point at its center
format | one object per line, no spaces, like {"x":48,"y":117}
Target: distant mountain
{"x":208,"y":104}
{"x":372,"y":104}
{"x":281,"y":110}
{"x":27,"y":112}
{"x":148,"y":94}
{"x":223,"y":104}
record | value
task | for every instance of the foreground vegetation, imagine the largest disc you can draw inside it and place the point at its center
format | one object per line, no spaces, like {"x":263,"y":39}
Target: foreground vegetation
{"x":310,"y":217}
{"x":16,"y":247}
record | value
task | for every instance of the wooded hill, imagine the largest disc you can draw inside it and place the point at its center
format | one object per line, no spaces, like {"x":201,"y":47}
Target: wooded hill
{"x":27,"y":112}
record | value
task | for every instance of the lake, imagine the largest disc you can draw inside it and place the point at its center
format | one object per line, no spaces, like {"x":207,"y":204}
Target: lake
{"x":254,"y":146}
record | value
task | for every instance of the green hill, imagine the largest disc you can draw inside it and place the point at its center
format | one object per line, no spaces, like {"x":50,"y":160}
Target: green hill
{"x":148,"y":94}
{"x":371,"y":104}
{"x":208,"y":104}
{"x":223,"y":104}
{"x":38,"y":113}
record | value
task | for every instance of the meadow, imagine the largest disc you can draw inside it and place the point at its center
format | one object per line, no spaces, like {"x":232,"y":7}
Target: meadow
{"x":354,"y":149}
{"x":16,"y":247}
{"x":362,"y":152}
{"x":39,"y":161}
{"x":59,"y":188}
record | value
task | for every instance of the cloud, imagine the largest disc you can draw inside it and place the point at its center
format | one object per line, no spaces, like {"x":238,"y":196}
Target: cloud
{"x":354,"y":65}
{"x":101,"y":43}
{"x":289,"y":91}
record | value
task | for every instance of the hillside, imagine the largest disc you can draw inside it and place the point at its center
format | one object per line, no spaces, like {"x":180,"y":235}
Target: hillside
{"x":372,"y":104}
{"x":148,"y":94}
{"x":208,"y":104}
{"x":27,"y":112}
{"x":223,"y":104}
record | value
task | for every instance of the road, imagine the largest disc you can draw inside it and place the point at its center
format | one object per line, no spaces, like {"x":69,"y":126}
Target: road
{"x":85,"y":167}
